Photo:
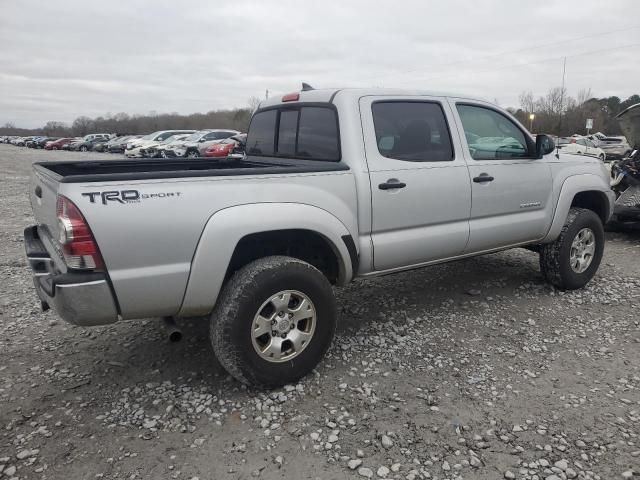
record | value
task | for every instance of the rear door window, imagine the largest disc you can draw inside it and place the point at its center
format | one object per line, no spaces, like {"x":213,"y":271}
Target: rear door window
{"x":412,"y":130}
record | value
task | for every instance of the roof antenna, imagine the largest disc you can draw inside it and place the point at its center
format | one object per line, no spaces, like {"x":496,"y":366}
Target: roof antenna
{"x":306,"y":87}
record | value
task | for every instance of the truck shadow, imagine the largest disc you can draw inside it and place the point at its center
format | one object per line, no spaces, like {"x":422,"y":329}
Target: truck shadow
{"x":144,"y":347}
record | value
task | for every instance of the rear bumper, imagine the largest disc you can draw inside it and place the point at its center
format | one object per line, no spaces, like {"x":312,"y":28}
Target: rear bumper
{"x":77,"y":297}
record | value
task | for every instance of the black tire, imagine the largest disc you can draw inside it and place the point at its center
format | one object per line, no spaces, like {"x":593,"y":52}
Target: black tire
{"x":554,"y":257}
{"x":83,"y":148}
{"x":193,"y":154}
{"x":601,"y":157}
{"x":240,"y":301}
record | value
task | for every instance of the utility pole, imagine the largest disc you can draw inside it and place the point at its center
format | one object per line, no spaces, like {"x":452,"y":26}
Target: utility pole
{"x":564,"y":71}
{"x":266,"y":94}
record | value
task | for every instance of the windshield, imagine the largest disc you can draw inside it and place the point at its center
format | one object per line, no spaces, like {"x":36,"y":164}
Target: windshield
{"x":151,"y":136}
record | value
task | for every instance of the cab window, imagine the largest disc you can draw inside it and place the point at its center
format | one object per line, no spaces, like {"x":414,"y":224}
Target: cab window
{"x":491,"y":135}
{"x":412,"y":131}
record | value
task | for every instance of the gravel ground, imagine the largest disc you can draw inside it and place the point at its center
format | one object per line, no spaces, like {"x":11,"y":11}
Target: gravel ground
{"x":471,"y":370}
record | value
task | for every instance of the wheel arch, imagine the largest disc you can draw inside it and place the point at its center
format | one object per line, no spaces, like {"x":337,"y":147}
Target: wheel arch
{"x":235,"y":236}
{"x":585,"y":191}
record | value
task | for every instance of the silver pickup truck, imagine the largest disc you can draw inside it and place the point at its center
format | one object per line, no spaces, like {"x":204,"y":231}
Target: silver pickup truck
{"x":335,"y":185}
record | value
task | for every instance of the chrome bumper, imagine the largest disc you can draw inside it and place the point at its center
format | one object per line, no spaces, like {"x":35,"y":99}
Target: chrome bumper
{"x":77,"y":297}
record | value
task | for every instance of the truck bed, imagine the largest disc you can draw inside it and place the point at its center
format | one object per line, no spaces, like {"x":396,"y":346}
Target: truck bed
{"x":110,"y":170}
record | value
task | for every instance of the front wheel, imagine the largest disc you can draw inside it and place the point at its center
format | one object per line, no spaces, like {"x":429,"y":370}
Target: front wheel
{"x":193,"y":154}
{"x":83,"y":149}
{"x":573,"y":259}
{"x":601,"y":157}
{"x":273,"y":321}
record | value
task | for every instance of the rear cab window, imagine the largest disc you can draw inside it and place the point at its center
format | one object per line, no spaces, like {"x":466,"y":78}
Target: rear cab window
{"x":304,"y":131}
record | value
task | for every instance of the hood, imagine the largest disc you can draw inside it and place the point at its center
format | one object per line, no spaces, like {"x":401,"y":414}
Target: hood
{"x":629,"y":120}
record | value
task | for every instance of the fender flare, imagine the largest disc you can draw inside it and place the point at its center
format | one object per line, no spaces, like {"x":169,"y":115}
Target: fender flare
{"x":228,"y":226}
{"x":570,"y":188}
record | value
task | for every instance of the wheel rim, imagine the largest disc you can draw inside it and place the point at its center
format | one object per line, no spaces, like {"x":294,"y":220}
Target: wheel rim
{"x":583,"y":249}
{"x":163,"y":154}
{"x":283,"y":326}
{"x":192,"y":154}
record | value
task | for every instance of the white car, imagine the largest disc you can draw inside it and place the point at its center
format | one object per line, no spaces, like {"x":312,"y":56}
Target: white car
{"x":153,"y":139}
{"x":581,"y":146}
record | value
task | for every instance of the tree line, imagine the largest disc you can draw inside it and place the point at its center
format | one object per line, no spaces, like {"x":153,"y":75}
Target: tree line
{"x":125,"y":124}
{"x":557,"y":113}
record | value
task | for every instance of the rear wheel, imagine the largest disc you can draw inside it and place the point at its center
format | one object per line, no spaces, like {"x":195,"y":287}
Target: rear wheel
{"x":601,"y":157}
{"x":273,"y":321}
{"x":83,"y":148}
{"x":573,"y":259}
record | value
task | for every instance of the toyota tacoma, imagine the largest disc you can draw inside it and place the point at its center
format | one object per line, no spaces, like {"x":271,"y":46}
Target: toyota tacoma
{"x":335,"y":185}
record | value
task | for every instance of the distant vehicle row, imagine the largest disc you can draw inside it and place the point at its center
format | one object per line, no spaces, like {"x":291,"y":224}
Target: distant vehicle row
{"x":163,"y":143}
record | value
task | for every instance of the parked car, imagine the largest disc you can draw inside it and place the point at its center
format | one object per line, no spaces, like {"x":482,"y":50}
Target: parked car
{"x":41,"y":142}
{"x":104,"y":146}
{"x":160,"y":149}
{"x":119,"y":144}
{"x":58,"y":144}
{"x":225,"y":147}
{"x":19,"y":141}
{"x":87,"y":144}
{"x":29,"y":141}
{"x":613,"y":147}
{"x":93,"y":136}
{"x":190,"y":147}
{"x":360,"y":183}
{"x":581,"y":146}
{"x":153,"y":139}
{"x":70,"y":145}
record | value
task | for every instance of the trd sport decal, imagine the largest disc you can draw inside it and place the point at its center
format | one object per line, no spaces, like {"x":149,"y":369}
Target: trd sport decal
{"x":126,"y":196}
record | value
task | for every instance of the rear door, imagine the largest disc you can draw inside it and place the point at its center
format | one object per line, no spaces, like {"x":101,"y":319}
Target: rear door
{"x":511,"y":189}
{"x":420,"y":189}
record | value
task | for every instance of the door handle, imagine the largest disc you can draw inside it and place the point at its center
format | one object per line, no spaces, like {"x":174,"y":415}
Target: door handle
{"x":483,"y":178}
{"x":391,"y":184}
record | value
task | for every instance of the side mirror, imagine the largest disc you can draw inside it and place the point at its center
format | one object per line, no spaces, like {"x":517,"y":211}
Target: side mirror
{"x":544,"y":145}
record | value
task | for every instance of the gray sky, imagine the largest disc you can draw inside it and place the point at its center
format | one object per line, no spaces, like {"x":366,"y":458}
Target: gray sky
{"x":65,"y":58}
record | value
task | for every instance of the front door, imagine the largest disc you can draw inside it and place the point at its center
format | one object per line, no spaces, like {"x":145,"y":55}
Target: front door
{"x":511,"y":189}
{"x":420,"y":189}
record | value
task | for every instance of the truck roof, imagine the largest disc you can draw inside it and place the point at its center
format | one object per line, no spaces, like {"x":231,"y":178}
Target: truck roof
{"x":327,"y":94}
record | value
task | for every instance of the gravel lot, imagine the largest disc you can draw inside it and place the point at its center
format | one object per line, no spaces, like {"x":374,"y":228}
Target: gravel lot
{"x":471,"y":370}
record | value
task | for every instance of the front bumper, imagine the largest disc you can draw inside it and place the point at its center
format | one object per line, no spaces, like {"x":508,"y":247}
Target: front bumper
{"x":80,"y":298}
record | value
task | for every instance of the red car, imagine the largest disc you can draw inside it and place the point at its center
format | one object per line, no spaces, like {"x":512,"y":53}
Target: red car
{"x":58,"y":144}
{"x":226,"y":146}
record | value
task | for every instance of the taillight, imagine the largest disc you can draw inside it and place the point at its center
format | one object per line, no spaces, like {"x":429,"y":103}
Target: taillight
{"x":79,"y":248}
{"x":291,"y":97}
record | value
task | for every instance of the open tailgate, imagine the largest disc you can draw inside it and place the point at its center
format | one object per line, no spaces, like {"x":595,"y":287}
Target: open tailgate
{"x":629,"y":120}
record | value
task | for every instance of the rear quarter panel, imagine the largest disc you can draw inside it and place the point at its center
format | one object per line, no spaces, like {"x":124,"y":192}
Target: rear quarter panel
{"x":148,"y":245}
